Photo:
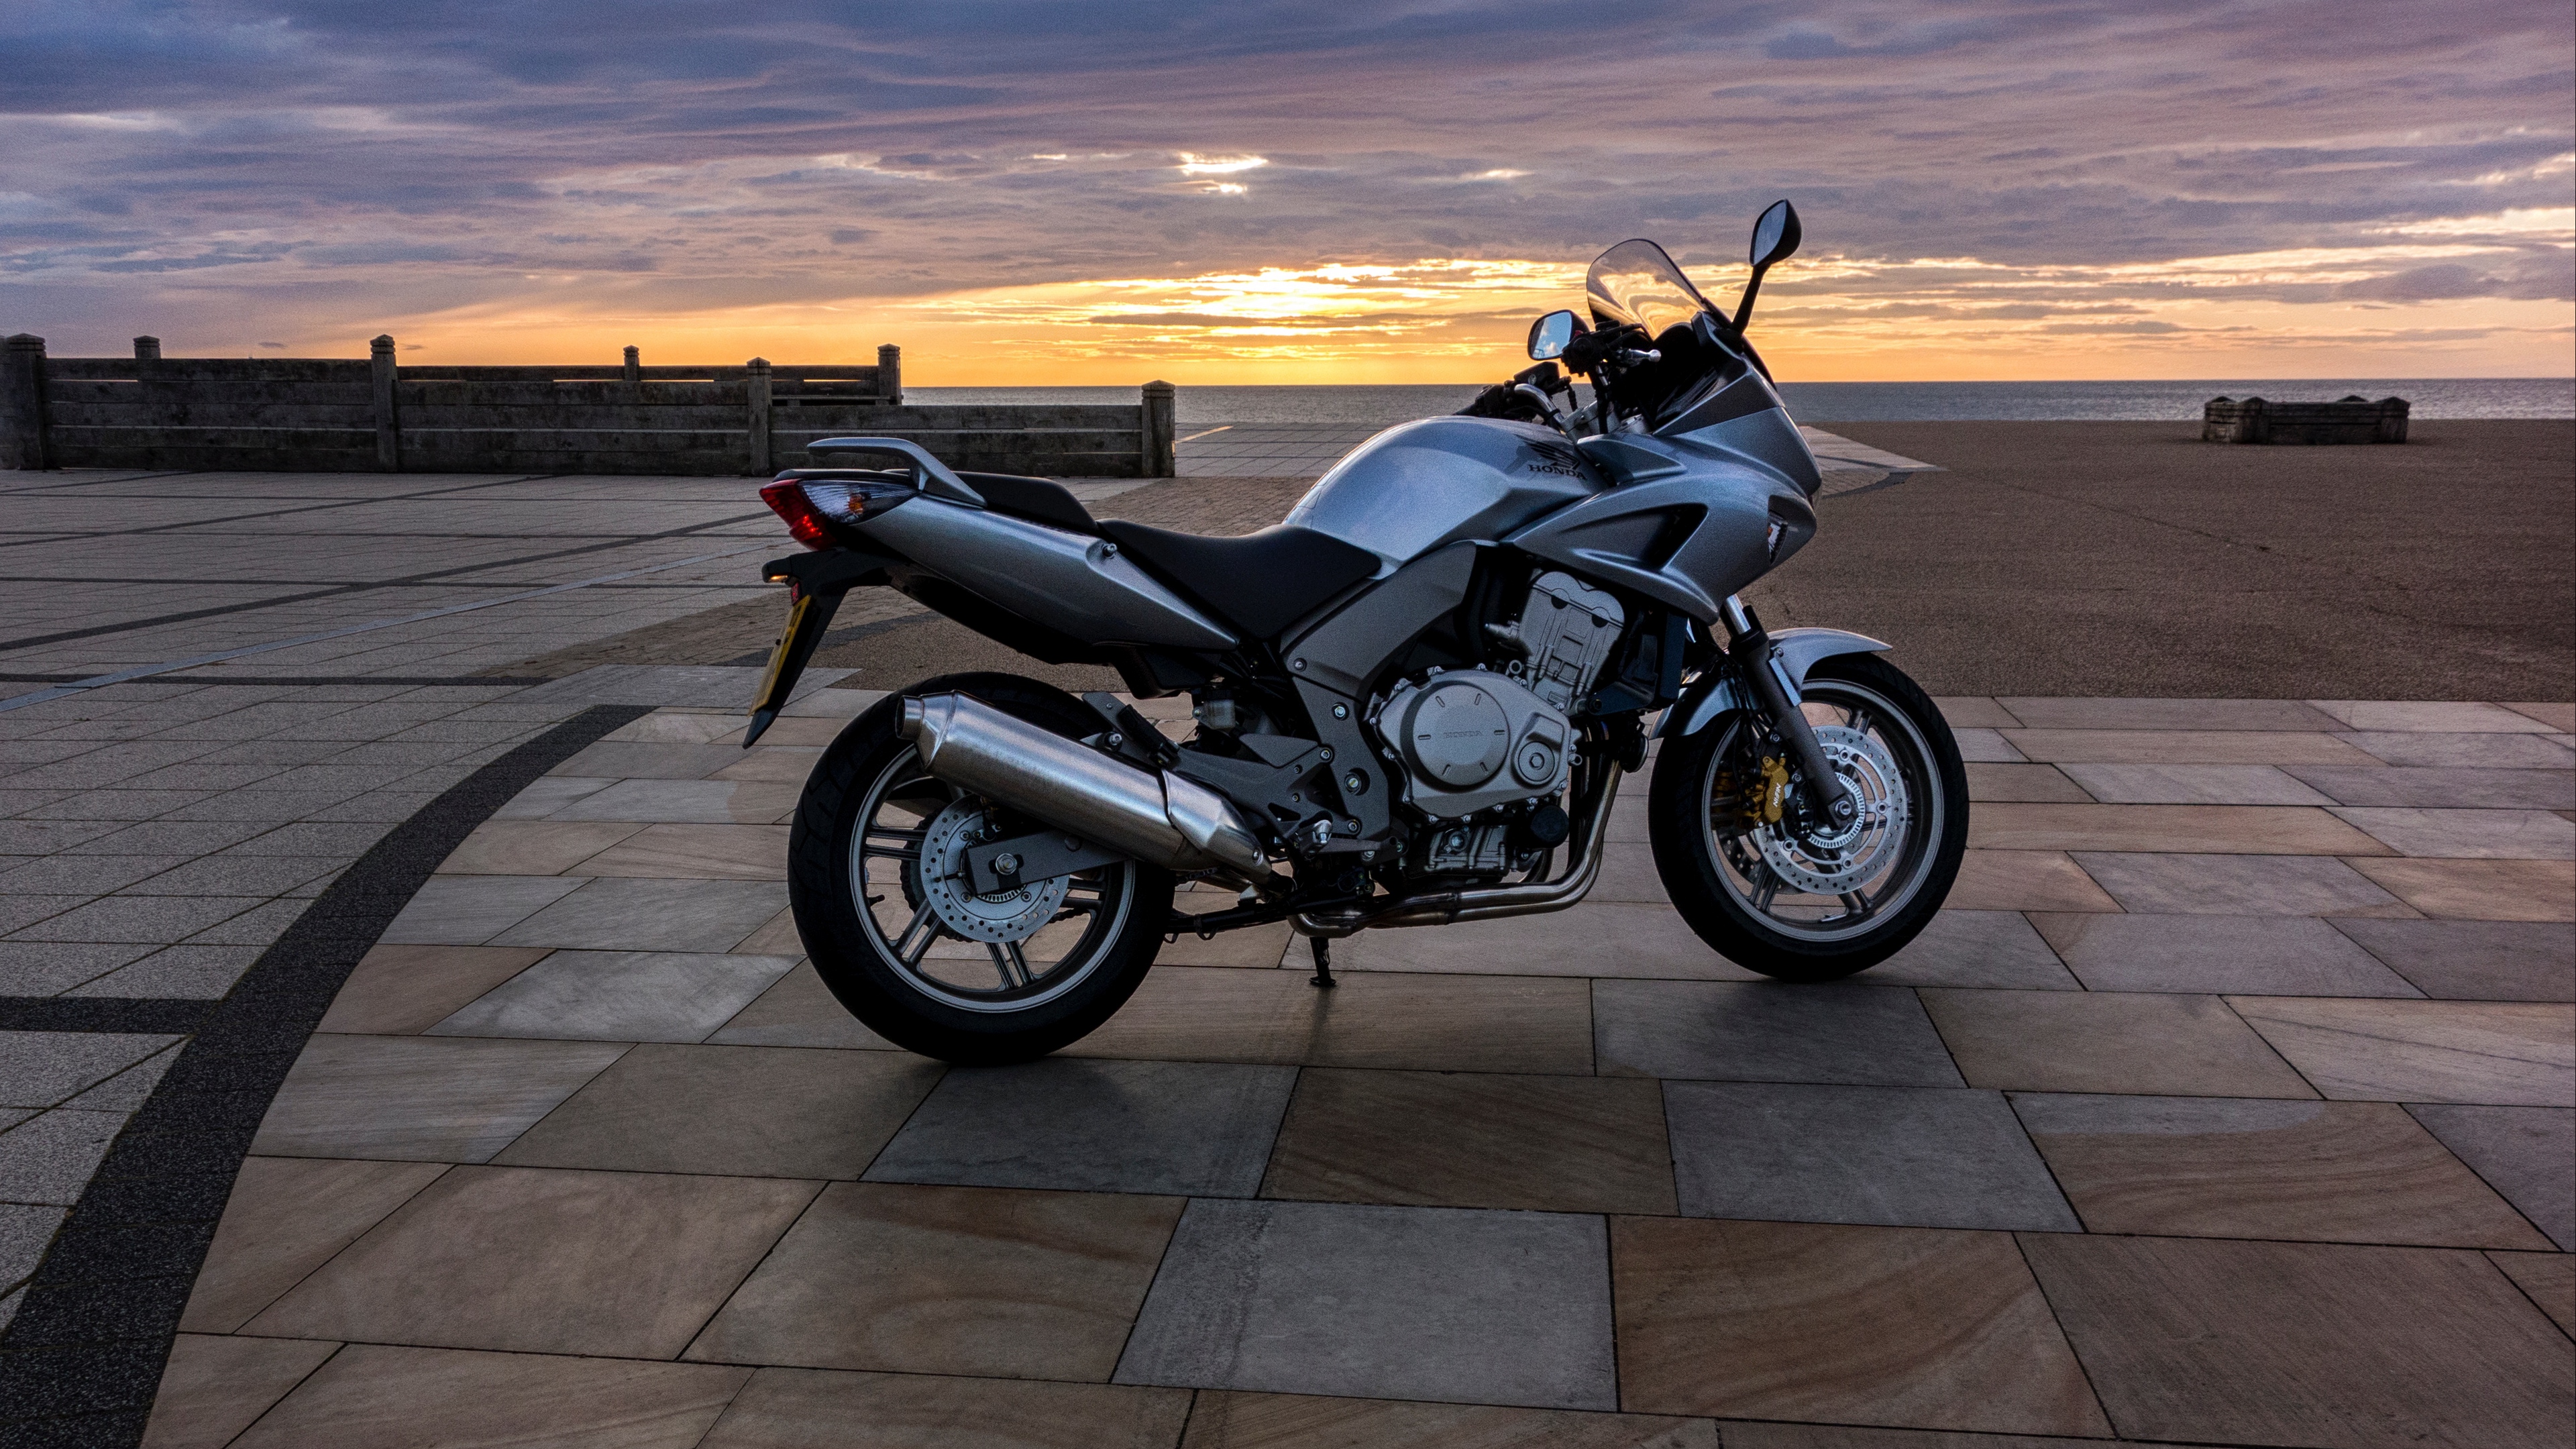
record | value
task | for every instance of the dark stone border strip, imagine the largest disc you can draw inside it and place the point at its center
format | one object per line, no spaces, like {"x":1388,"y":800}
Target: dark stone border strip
{"x":158,"y":1014}
{"x":81,"y":1361}
{"x":390,"y":681}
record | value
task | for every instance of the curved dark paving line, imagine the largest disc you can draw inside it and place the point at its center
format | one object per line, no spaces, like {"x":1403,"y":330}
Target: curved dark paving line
{"x":80,"y":1363}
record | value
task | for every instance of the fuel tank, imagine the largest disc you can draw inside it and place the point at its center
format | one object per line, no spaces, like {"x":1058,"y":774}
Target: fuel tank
{"x":1420,"y":485}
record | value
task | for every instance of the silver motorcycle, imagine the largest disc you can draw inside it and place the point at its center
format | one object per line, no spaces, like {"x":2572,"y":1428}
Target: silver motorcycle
{"x":1413,"y":699}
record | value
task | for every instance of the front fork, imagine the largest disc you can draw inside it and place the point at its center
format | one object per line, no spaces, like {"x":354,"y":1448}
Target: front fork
{"x":1749,"y":647}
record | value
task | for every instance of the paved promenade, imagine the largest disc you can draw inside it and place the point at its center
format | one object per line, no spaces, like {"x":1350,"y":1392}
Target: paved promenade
{"x":2230,"y":1103}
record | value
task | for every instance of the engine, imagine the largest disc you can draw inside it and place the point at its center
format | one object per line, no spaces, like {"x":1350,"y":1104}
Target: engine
{"x":1473,"y":741}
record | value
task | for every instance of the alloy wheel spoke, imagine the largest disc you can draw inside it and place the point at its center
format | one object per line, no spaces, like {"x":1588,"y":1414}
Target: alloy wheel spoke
{"x":904,"y":947}
{"x":1008,"y":959}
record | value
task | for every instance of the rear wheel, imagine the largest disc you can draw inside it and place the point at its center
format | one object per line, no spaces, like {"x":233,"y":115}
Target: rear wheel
{"x":1768,"y":887}
{"x":875,"y":873}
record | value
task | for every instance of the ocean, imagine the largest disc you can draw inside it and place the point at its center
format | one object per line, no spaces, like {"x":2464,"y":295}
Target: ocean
{"x":1832,"y":402}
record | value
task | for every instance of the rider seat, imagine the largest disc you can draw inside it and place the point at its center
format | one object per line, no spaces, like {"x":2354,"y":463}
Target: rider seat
{"x":1262,"y":582}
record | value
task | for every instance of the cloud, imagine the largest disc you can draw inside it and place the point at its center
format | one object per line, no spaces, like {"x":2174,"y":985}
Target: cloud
{"x":1970,"y":164}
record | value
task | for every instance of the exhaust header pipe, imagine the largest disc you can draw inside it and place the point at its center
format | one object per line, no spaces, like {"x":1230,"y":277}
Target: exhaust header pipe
{"x":1159,"y":818}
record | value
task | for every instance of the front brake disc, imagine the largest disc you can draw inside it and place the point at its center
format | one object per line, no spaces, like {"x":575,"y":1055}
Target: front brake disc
{"x":1837,"y":862}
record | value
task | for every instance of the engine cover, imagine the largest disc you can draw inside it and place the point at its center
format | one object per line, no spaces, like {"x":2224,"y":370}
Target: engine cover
{"x":1470,"y":740}
{"x":1568,"y":628}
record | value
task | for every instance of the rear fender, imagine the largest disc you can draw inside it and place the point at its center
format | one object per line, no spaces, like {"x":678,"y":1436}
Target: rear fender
{"x":1798,"y":650}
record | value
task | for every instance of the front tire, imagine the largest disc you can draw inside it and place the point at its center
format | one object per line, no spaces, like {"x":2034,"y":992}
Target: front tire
{"x":1804,"y":905}
{"x":978,"y":981}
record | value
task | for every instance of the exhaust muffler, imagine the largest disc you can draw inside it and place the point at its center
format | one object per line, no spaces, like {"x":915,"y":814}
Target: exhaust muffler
{"x":1160,"y":818}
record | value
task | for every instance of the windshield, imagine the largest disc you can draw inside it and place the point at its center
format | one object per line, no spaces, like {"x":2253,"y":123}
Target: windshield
{"x":1637,"y":283}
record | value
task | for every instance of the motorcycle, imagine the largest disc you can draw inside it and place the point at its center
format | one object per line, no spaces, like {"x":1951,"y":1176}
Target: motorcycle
{"x":1413,"y":700}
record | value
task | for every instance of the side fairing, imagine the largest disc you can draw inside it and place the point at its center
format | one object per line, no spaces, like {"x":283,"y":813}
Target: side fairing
{"x":1067,"y":581}
{"x":1419,"y":486}
{"x":1695,"y":517}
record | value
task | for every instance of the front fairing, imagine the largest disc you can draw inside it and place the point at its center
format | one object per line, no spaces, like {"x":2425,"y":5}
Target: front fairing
{"x":1690,"y":518}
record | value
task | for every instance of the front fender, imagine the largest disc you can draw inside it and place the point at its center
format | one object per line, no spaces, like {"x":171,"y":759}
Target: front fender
{"x":1798,"y":650}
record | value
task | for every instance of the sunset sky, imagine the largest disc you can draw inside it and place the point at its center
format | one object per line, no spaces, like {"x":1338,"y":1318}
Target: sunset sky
{"x":1031,"y":194}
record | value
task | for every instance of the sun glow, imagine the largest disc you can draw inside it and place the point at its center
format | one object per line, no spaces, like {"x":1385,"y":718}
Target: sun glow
{"x":1824,"y":317}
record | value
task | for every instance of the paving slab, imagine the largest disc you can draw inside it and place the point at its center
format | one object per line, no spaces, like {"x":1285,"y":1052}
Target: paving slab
{"x":2548,"y":1280}
{"x":2475,"y":960}
{"x":2302,"y":1343}
{"x":2193,"y":785}
{"x":2217,"y":1167}
{"x":2239,"y":885}
{"x":783,"y":1408}
{"x":2526,"y":1153}
{"x":286,"y":1217}
{"x":1195,"y":1128}
{"x":991,"y":1282}
{"x":2094,"y":1041}
{"x":1901,"y":1156}
{"x":1443,"y":1139}
{"x":2490,"y":751}
{"x":420,"y":1098}
{"x":2025,"y":880}
{"x":1864,"y":1035}
{"x":733,"y":1111}
{"x":414,"y":1398}
{"x":401,"y":990}
{"x":217,"y":1386}
{"x":2509,"y":1053}
{"x":532,"y":1261}
{"x":650,"y":915}
{"x":2452,"y":788}
{"x":2478,"y":890}
{"x":1853,"y":1325}
{"x":618,"y":996}
{"x":1234,"y":1420}
{"x":1437,"y":1022}
{"x":798,"y":1011}
{"x":2273,"y":955}
{"x":470,"y":910}
{"x":1976,"y":948}
{"x":1382,"y":1302}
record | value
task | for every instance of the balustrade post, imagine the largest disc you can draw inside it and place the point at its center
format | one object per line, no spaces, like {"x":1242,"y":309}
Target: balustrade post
{"x":1161,"y":408}
{"x":634,"y":367}
{"x":380,"y":360}
{"x":147,"y":349}
{"x":23,"y":436}
{"x":756,"y":392}
{"x":890,"y":374}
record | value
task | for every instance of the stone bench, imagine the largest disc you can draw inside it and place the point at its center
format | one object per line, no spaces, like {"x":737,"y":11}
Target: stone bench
{"x":2259,"y":420}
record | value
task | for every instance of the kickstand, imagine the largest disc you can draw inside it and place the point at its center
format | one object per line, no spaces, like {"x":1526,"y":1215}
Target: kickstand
{"x":1323,"y":977}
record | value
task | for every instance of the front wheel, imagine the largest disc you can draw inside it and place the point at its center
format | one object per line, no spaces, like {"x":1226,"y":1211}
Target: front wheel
{"x":1775,"y":891}
{"x":876,"y":877}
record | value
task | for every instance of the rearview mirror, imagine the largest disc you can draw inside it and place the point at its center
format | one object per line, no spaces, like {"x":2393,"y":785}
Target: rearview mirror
{"x":1550,"y":334}
{"x":1775,"y":236}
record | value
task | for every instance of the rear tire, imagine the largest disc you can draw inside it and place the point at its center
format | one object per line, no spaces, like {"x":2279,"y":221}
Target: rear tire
{"x":1717,"y":876}
{"x":860,"y":903}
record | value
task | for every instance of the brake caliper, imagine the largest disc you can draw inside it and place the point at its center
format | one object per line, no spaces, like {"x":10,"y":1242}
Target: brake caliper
{"x":1761,"y":796}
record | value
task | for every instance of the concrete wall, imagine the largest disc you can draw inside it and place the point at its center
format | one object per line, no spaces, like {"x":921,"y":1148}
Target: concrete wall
{"x":305,"y":414}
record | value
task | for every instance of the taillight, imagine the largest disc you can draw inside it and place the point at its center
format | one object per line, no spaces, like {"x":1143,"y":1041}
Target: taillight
{"x":812,"y":506}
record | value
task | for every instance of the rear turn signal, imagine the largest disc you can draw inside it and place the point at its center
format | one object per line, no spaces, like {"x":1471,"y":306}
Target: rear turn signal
{"x":810,"y":507}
